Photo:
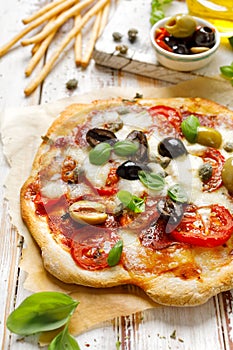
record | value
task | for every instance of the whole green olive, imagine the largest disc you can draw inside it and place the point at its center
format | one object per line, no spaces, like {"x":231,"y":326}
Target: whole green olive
{"x":181,"y":26}
{"x":227,"y":175}
{"x":209,"y":137}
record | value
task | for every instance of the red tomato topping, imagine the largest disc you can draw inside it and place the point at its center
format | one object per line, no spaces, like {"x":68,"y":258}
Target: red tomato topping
{"x":216,"y":159}
{"x":172,"y":115}
{"x":159,"y":38}
{"x":91,"y":245}
{"x":193,"y":229}
{"x":106,"y":191}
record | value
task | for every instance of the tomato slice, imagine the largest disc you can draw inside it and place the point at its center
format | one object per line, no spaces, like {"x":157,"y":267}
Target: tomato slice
{"x":193,"y":229}
{"x":216,"y":159}
{"x":91,"y":245}
{"x":172,"y":115}
{"x":106,"y":191}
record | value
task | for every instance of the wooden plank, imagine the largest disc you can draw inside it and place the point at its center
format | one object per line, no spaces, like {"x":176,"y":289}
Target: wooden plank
{"x":141,"y":58}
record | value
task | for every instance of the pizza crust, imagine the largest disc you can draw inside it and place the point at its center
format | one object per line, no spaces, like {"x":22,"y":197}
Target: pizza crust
{"x":165,"y":288}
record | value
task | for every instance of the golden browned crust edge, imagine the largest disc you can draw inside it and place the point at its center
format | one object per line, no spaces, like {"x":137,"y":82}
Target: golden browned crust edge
{"x":165,"y":289}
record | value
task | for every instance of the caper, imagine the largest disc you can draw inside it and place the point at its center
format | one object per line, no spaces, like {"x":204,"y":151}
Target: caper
{"x":227,"y":175}
{"x":171,"y":147}
{"x":123,"y":49}
{"x":117,"y":36}
{"x":205,"y":172}
{"x":132,"y":35}
{"x":89,"y":212}
{"x":228,"y":147}
{"x":209,"y":137}
{"x":181,"y":26}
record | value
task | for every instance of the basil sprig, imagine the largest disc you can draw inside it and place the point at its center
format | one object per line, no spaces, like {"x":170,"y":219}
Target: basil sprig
{"x":151,"y":180}
{"x":177,"y":194}
{"x":115,"y":254}
{"x":101,"y":153}
{"x":227,"y":72}
{"x":157,"y":11}
{"x":44,"y":311}
{"x":189,"y":127}
{"x":64,"y":340}
{"x":134,"y":203}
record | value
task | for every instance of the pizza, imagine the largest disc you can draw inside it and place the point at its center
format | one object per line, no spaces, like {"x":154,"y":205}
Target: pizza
{"x":137,"y":192}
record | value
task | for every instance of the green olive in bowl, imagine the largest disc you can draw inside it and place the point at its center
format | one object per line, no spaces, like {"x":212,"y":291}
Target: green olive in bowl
{"x":181,"y":26}
{"x":227,"y":175}
{"x":209,"y":137}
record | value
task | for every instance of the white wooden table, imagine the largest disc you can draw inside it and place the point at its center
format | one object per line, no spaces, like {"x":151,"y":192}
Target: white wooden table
{"x":205,"y":327}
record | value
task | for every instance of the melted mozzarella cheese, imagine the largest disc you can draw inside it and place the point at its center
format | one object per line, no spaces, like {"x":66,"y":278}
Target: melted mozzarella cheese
{"x":54,"y":189}
{"x":104,"y":117}
{"x":139,"y":121}
{"x":135,"y":187}
{"x":96,"y":174}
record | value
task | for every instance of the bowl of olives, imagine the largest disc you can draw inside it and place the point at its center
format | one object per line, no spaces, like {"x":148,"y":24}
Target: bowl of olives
{"x":184,"y":43}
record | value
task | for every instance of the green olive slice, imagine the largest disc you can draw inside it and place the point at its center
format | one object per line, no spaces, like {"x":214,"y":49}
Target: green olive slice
{"x":227,"y":175}
{"x":209,"y":137}
{"x":181,"y":25}
{"x":92,"y":213}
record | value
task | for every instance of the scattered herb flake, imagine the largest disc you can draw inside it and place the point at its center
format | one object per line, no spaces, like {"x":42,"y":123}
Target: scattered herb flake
{"x":173,"y":335}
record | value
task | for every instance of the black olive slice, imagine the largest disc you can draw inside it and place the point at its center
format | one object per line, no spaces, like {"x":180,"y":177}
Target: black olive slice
{"x":170,"y":211}
{"x":171,"y":147}
{"x":204,"y":37}
{"x":142,"y":153}
{"x":129,"y":170}
{"x":97,"y":135}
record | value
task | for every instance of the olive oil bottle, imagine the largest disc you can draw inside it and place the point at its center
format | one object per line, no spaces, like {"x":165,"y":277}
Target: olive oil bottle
{"x":218,"y":12}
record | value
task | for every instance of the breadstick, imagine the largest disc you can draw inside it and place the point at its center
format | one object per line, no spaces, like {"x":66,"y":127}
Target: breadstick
{"x":97,"y":30}
{"x":49,"y":65}
{"x":39,"y":54}
{"x":37,"y":45}
{"x":91,"y":43}
{"x":43,"y":10}
{"x":48,"y":15}
{"x":78,"y":42}
{"x":61,"y":19}
{"x":35,"y":48}
{"x":104,"y":19}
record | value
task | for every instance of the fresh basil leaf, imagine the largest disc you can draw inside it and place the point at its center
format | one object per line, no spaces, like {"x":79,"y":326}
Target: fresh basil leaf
{"x":100,"y":154}
{"x":157,"y":11}
{"x":125,"y":197}
{"x":115,"y":253}
{"x":177,"y":194}
{"x":231,"y":40}
{"x":137,"y":204}
{"x":125,"y":148}
{"x":64,"y":341}
{"x":43,"y":311}
{"x":132,"y":202}
{"x":189,"y":128}
{"x":227,"y":71}
{"x":151,"y":180}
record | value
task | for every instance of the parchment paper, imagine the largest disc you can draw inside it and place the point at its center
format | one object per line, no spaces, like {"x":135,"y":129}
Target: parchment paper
{"x":21,"y":130}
